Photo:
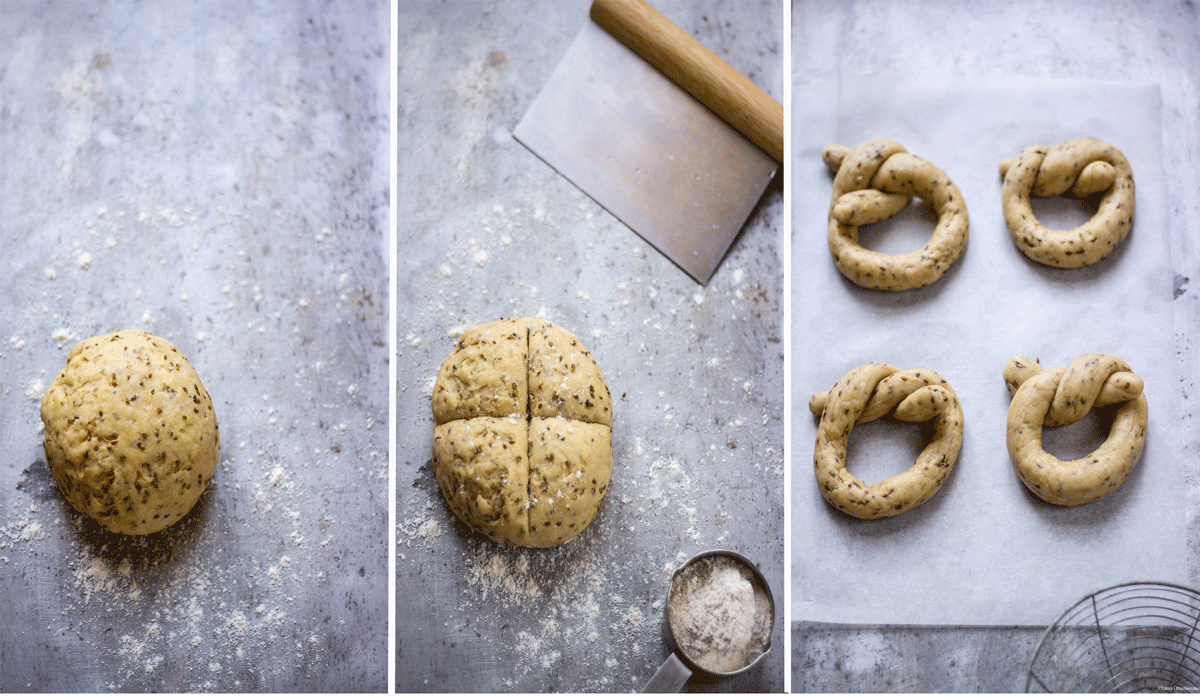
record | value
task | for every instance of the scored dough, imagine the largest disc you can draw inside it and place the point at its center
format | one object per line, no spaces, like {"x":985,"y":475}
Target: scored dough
{"x":130,"y":432}
{"x":522,"y":438}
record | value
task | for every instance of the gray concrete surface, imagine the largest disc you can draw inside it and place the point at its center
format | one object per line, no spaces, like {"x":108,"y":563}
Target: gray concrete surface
{"x":1155,"y":42}
{"x":487,"y":230}
{"x":215,"y":173}
{"x":844,"y":658}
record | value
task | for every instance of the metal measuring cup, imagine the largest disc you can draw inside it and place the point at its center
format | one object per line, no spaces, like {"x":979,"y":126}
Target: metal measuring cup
{"x":680,"y":666}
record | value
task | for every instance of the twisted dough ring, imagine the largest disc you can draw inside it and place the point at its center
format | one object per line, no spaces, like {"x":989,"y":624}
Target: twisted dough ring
{"x":869,"y":392}
{"x":1061,"y":396}
{"x":873,"y":182}
{"x":1083,"y":166}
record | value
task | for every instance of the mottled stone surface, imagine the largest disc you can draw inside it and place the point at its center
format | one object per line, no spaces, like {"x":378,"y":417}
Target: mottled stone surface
{"x":488,"y":230}
{"x":215,"y":173}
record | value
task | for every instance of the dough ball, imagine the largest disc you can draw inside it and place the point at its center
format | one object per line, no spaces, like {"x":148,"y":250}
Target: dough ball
{"x":522,"y":440}
{"x":130,"y":433}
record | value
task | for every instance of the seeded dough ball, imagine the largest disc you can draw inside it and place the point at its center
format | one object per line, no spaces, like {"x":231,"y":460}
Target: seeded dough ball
{"x":522,"y":438}
{"x":130,"y":432}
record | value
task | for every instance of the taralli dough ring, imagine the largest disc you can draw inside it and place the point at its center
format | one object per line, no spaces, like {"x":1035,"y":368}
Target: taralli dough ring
{"x":873,"y":182}
{"x":1083,"y":167}
{"x":865,"y":394}
{"x":1061,"y":396}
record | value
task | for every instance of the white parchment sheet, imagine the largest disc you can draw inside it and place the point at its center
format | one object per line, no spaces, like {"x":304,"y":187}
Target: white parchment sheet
{"x":983,"y":550}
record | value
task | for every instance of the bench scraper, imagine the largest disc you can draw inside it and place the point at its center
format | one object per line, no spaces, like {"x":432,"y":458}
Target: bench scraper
{"x":659,"y":131}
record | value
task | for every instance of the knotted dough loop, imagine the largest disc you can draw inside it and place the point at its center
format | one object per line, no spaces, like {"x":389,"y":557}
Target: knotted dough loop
{"x":1061,"y":396}
{"x":865,"y":394}
{"x":873,"y":182}
{"x":1083,"y":166}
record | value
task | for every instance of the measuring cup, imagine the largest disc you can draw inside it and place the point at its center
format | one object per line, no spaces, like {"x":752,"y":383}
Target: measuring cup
{"x":680,"y":666}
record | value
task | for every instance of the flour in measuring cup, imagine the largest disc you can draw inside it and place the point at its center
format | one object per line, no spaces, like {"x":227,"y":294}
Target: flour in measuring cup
{"x":719,"y":616}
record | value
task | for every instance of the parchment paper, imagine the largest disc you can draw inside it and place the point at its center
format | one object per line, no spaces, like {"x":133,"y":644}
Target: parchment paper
{"x":983,"y":550}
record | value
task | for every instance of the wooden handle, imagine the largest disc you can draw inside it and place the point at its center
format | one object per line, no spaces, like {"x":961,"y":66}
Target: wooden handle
{"x":696,"y":69}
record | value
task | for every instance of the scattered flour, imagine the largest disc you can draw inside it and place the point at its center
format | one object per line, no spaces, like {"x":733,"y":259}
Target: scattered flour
{"x":564,"y":599}
{"x":31,"y":532}
{"x":429,"y":529}
{"x":63,"y":335}
{"x":35,"y":390}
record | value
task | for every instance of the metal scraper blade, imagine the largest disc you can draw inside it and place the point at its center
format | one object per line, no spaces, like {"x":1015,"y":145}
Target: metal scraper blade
{"x":647,"y":151}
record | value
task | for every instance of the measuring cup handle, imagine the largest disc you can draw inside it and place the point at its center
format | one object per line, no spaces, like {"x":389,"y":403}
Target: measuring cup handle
{"x":669,"y":678}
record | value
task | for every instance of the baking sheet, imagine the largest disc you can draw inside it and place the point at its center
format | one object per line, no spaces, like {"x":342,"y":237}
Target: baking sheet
{"x":982,"y":551}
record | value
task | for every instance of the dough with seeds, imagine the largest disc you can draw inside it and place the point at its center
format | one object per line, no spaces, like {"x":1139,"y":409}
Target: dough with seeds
{"x":130,"y":432}
{"x":1061,"y":396}
{"x":873,"y":182}
{"x":1083,"y":167}
{"x":522,"y":439}
{"x":863,"y":395}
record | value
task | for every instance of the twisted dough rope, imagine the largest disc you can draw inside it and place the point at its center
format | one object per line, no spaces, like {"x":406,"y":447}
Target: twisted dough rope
{"x":865,"y":394}
{"x":1061,"y":396}
{"x":1083,"y":166}
{"x":873,"y":182}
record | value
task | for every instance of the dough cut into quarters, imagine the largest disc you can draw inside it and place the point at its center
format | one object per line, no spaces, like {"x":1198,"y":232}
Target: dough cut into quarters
{"x":522,"y":445}
{"x":130,"y":432}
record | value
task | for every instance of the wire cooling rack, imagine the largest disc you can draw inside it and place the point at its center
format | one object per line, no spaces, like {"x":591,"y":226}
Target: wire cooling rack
{"x":1133,"y":637}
